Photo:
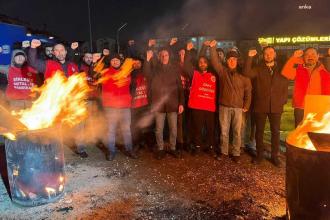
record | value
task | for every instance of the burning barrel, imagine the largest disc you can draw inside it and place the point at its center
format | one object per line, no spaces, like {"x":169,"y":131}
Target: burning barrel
{"x":35,"y":165}
{"x":307,"y":183}
{"x":308,"y":162}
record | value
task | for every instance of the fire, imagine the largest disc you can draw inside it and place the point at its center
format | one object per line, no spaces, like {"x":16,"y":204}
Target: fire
{"x":10,"y":136}
{"x":299,"y":137}
{"x":61,"y":100}
{"x":50,"y":191}
{"x":121,"y":77}
{"x":316,"y":120}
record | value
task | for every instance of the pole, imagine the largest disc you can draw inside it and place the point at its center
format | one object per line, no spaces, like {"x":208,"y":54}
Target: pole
{"x":118,"y":30}
{"x":90,"y":27}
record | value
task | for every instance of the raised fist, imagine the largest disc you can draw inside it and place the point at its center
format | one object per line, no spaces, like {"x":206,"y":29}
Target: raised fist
{"x":252,"y":53}
{"x":213,"y":43}
{"x":35,"y":43}
{"x":106,"y":52}
{"x":149,"y":55}
{"x":173,"y":41}
{"x":298,"y":53}
{"x":74,"y":45}
{"x":207,"y":43}
{"x":152,"y":42}
{"x":190,"y":46}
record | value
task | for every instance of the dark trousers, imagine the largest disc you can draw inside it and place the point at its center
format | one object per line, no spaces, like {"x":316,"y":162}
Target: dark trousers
{"x":298,"y":116}
{"x":141,"y":126}
{"x":274,"y":121}
{"x":203,"y":121}
{"x":183,"y":125}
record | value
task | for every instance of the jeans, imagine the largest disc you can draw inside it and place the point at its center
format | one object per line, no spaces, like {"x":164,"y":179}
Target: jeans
{"x":230,"y":117}
{"x":118,"y":117}
{"x":172,"y":124}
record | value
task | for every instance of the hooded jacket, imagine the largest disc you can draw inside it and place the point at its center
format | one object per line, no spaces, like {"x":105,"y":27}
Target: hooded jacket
{"x":20,"y":80}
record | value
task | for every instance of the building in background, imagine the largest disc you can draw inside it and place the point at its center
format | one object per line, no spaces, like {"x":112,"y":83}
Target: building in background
{"x":17,"y":34}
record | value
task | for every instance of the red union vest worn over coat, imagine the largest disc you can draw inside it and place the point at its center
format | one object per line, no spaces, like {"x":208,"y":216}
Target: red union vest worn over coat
{"x":203,"y":92}
{"x":20,"y":82}
{"x":140,"y":97}
{"x":52,"y":66}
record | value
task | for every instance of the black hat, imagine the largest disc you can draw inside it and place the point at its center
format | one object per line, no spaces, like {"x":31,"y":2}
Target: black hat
{"x":115,"y":55}
{"x":231,"y":53}
{"x":220,"y":50}
{"x":19,"y":53}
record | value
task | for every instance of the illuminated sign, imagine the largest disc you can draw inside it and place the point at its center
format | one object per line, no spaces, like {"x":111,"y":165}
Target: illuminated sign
{"x":297,"y":39}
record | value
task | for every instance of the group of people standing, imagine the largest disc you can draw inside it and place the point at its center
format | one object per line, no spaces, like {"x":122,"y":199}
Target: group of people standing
{"x":205,"y":96}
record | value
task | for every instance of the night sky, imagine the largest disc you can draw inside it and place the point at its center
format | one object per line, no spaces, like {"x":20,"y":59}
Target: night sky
{"x":229,"y":19}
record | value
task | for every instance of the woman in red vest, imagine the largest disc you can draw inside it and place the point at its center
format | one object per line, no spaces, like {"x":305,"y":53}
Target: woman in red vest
{"x":202,"y":101}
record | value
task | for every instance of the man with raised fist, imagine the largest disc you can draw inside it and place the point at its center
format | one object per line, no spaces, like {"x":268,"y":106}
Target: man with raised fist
{"x":270,"y":95}
{"x":234,"y":99}
{"x":166,"y":96}
{"x":310,"y":76}
{"x":49,"y":67}
{"x":202,"y":101}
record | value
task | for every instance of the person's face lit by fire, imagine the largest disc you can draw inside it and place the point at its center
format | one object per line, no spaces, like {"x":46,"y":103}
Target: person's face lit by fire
{"x":182,"y":52}
{"x":88,"y":58}
{"x":137,"y":64}
{"x":221,"y":55}
{"x":96,"y":57}
{"x":115,"y":63}
{"x":203,"y":64}
{"x":164,"y":57}
{"x":269,"y":55}
{"x":19,"y":60}
{"x":232,"y":62}
{"x":48,"y":52}
{"x":311,"y":57}
{"x":60,"y":52}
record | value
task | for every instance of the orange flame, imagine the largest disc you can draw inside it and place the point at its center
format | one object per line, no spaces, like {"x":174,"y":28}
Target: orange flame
{"x":61,"y":100}
{"x":299,"y":137}
{"x":120,"y":78}
{"x":316,"y":120}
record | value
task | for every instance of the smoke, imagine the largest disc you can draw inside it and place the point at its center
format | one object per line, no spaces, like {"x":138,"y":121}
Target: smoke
{"x":244,"y":19}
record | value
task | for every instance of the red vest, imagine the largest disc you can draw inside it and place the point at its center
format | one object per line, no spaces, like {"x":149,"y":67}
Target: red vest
{"x":20,"y":82}
{"x":203,"y":92}
{"x":52,"y":66}
{"x":90,"y":80}
{"x":302,"y":82}
{"x":140,"y":97}
{"x":113,"y":95}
